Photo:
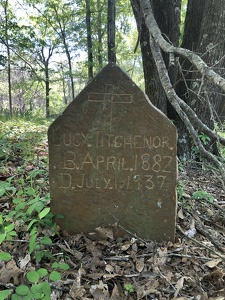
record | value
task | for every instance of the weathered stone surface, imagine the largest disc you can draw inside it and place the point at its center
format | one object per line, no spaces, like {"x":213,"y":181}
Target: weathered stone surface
{"x":113,"y":159}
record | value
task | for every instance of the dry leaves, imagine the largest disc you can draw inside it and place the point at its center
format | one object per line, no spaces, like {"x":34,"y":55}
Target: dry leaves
{"x":103,"y":266}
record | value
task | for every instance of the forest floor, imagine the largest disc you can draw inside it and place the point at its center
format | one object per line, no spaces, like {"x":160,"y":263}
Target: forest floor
{"x":41,"y":262}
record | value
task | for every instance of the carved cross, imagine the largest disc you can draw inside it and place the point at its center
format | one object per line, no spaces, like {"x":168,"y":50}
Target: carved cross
{"x":111,"y":98}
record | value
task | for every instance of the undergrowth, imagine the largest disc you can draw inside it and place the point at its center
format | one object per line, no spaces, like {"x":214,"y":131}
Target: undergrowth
{"x":30,"y":262}
{"x":26,"y":218}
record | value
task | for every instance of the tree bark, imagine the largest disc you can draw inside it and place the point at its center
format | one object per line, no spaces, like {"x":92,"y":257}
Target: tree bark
{"x":111,"y":31}
{"x":204,"y":18}
{"x":45,"y":61}
{"x":167,"y":15}
{"x":62,"y":36}
{"x":100,"y":35}
{"x":89,"y":40}
{"x":193,"y":124}
{"x":8,"y":58}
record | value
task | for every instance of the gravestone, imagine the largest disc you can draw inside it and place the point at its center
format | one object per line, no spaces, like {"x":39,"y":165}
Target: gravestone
{"x":112,"y":158}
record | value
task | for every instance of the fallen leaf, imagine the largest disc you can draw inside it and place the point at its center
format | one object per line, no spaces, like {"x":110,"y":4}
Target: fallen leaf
{"x":104,"y":232}
{"x":180,"y":214}
{"x":126,"y":246}
{"x":109,"y":268}
{"x":179,"y":285}
{"x":140,"y":265}
{"x":110,"y":276}
{"x":24,"y":261}
{"x":213,"y":263}
{"x":10,"y":271}
{"x":100,"y":291}
{"x":116,"y":295}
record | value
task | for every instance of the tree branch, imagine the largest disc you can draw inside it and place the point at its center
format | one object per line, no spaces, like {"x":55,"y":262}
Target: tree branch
{"x":168,"y":48}
{"x":186,"y":114}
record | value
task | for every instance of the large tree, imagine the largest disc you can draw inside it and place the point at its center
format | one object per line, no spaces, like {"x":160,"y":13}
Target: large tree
{"x":204,"y":33}
{"x":157,"y":24}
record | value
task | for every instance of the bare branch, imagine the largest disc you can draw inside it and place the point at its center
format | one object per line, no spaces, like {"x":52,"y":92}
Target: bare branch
{"x":175,"y":101}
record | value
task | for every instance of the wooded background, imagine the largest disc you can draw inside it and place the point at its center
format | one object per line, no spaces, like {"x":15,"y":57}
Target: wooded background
{"x":174,"y":51}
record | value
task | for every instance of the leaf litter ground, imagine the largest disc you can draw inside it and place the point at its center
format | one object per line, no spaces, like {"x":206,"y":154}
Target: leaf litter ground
{"x":100,"y":265}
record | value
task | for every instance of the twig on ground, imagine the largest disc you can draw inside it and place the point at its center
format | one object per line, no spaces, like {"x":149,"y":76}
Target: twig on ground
{"x":200,"y":244}
{"x":209,"y":236}
{"x":189,"y":256}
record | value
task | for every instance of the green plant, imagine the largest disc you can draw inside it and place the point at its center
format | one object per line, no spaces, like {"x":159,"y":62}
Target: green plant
{"x":39,"y":284}
{"x":204,"y":138}
{"x":203,"y":195}
{"x":129,"y":288}
{"x":180,"y":190}
{"x":27,"y":217}
{"x":6,"y":230}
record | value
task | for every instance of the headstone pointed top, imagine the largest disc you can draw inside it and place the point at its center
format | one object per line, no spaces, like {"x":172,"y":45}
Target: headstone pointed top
{"x":113,"y":158}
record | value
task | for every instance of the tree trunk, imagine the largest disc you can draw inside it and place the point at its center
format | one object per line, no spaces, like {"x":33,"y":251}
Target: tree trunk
{"x":47,"y":91}
{"x":204,"y":18}
{"x":65,"y":98}
{"x":100,"y":35}
{"x":188,"y":116}
{"x":89,"y":40}
{"x":111,"y":31}
{"x":67,"y":51}
{"x":167,"y":14}
{"x":45,"y":61}
{"x":8,"y":58}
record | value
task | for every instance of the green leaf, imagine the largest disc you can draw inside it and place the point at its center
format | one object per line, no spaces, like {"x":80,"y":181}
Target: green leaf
{"x":33,"y":296}
{"x":46,"y":289}
{"x":2,"y":237}
{"x":36,"y":288}
{"x":46,"y":241}
{"x":33,"y":276}
{"x":203,"y":195}
{"x":55,"y":265}
{"x":54,"y":276}
{"x":5,"y":256}
{"x":20,"y":206}
{"x":39,"y":207}
{"x":31,"y":209}
{"x":30,"y":192}
{"x":19,"y":193}
{"x":39,"y":255}
{"x":16,"y":297}
{"x":32,"y":242}
{"x":33,"y":231}
{"x":1,"y":155}
{"x":64,"y":266}
{"x":9,"y":228}
{"x":44,"y":212}
{"x":31,"y":223}
{"x":32,"y":201}
{"x":42,"y":272}
{"x":22,"y":290}
{"x":12,"y":233}
{"x":17,"y":200}
{"x":4,"y":294}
